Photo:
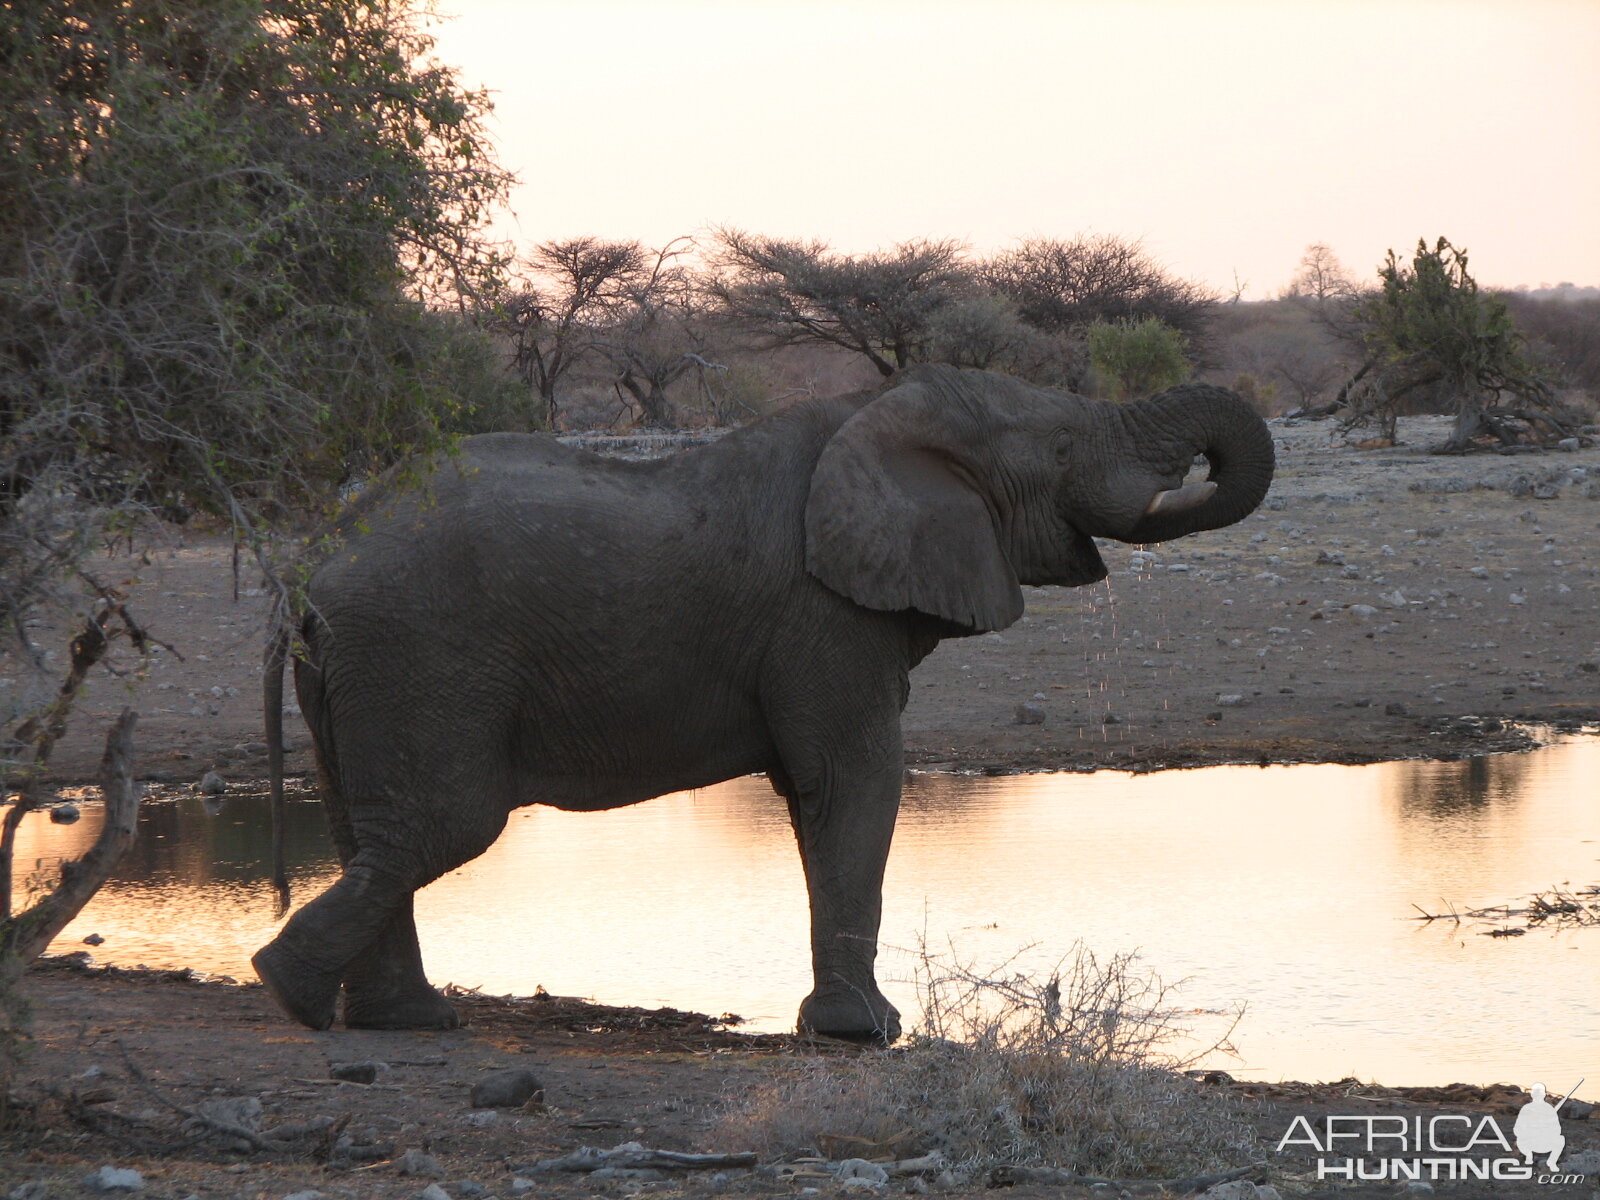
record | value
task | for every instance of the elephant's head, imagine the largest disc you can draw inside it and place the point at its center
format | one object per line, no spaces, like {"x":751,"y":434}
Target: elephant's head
{"x":952,"y":488}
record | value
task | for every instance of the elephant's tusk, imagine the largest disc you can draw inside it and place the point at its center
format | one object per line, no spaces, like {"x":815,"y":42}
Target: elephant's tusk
{"x":1180,"y":499}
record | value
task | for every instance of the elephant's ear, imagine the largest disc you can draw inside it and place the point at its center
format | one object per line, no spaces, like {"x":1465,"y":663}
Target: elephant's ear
{"x":894,"y":522}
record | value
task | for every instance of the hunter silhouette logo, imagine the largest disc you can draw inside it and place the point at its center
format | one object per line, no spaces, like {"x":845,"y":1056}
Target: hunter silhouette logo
{"x":1444,"y":1146}
{"x":1538,"y":1127}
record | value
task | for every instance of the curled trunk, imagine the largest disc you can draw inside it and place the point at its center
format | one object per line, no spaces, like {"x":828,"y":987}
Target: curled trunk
{"x":1233,"y":437}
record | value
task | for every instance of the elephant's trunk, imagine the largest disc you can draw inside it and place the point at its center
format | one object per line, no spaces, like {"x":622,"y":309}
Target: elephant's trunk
{"x":1236,"y":442}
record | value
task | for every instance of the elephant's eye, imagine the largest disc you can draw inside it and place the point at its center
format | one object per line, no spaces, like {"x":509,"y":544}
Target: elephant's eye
{"x":1063,"y":447}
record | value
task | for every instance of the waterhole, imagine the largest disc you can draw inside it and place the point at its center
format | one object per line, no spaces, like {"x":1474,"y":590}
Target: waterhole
{"x":1290,"y":890}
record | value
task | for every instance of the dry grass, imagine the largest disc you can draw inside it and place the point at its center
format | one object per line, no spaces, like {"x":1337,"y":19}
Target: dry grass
{"x":1074,"y":1071}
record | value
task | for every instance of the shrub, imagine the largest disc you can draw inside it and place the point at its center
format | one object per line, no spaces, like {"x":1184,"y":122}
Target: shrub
{"x":1137,"y":358}
{"x":1076,"y":1071}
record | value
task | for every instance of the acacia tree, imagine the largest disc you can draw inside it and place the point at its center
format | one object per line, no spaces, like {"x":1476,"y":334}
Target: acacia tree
{"x":1063,"y":287}
{"x":658,"y":334}
{"x":230,"y":237}
{"x":568,"y":291}
{"x":1429,"y":324}
{"x":881,"y":305}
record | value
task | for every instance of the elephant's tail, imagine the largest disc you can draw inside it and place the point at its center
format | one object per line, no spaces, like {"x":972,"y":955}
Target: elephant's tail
{"x":275,"y":660}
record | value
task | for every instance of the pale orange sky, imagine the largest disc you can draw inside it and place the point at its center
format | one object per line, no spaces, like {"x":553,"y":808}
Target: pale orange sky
{"x":1227,"y":135}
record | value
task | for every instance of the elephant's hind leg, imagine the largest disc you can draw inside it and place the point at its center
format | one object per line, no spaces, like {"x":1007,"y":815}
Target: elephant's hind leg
{"x":360,"y":933}
{"x":303,"y":966}
{"x":387,"y":988}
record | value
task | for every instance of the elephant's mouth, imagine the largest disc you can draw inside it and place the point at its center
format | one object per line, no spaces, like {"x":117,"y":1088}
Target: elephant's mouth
{"x":1082,"y":562}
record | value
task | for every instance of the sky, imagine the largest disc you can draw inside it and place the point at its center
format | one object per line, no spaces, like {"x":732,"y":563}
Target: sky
{"x":1227,"y":135}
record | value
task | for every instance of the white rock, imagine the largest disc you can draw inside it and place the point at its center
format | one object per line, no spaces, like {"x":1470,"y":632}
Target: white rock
{"x":860,"y":1168}
{"x":433,"y":1192}
{"x":115,"y":1179}
{"x":1231,"y":701}
{"x":1517,"y":598}
{"x":1234,"y":1189}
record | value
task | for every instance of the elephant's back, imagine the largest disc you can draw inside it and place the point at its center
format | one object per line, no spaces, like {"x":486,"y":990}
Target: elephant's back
{"x":521,"y":453}
{"x":519,"y":532}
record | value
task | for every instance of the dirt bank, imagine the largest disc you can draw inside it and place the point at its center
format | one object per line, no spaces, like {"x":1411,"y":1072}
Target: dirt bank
{"x":116,"y":1051}
{"x":1375,"y":600}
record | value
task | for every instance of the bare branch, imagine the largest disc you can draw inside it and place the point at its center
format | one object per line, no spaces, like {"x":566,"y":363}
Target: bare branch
{"x":26,"y":936}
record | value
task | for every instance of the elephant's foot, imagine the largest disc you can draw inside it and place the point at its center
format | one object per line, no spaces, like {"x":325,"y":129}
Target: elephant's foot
{"x":306,"y":995}
{"x":856,"y":1015}
{"x":417,"y":1008}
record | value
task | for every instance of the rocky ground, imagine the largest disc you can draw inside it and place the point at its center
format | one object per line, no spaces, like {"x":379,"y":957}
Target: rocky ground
{"x":202,"y":1090}
{"x":1382,"y":604}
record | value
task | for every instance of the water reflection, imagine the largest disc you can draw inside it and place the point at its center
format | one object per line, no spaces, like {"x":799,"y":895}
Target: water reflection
{"x":1447,"y":791}
{"x":1286,"y":888}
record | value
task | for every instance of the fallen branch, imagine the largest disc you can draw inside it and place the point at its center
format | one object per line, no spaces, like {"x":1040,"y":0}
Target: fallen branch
{"x":1452,"y":915}
{"x":632,"y":1156}
{"x":214,"y":1124}
{"x":1558,"y":908}
{"x":1195,"y":1184}
{"x":1061,"y":1177}
{"x":119,"y":1127}
{"x":928,"y":1164}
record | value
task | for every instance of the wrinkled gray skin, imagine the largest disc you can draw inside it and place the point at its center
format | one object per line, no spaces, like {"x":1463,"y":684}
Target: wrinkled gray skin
{"x":536,"y":625}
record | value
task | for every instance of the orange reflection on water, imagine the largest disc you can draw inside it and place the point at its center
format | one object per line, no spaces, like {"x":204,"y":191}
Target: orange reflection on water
{"x":1286,"y":888}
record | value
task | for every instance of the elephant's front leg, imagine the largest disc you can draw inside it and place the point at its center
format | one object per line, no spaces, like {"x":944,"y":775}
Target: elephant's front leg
{"x":843,"y":810}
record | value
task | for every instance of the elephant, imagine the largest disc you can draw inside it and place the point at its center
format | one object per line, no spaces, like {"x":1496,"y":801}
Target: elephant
{"x":535,"y":624}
